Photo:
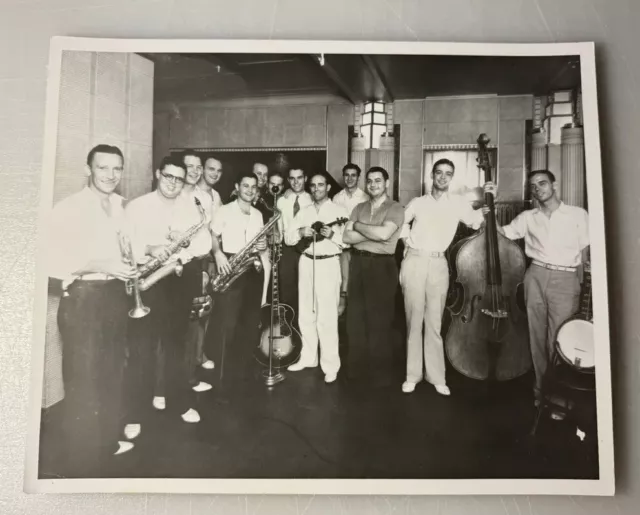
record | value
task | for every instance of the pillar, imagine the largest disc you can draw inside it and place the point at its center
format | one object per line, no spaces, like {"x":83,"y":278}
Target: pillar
{"x":573,"y":169}
{"x":539,"y":151}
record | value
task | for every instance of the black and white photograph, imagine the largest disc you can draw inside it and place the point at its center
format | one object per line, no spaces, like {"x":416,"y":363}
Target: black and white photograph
{"x":321,"y":267}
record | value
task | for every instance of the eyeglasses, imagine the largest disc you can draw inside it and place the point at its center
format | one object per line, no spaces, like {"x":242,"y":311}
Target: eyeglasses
{"x":172,"y":178}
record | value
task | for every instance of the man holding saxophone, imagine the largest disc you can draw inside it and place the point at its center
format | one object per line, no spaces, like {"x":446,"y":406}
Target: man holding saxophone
{"x":171,"y":232}
{"x":234,"y":226}
{"x":84,"y":256}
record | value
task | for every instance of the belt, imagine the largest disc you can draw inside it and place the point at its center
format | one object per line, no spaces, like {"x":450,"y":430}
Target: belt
{"x":416,"y":252}
{"x":554,"y":267}
{"x":322,"y":256}
{"x":95,"y":277}
{"x":370,"y":254}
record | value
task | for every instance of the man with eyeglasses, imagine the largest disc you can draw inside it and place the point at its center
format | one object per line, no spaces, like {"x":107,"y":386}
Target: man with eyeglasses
{"x":158,"y":219}
{"x":201,"y":248}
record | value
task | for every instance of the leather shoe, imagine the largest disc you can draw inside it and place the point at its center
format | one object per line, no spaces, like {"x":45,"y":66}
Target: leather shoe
{"x":408,"y":387}
{"x":442,"y":389}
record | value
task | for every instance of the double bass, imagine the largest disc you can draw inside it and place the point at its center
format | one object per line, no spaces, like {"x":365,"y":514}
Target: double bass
{"x":488,"y":337}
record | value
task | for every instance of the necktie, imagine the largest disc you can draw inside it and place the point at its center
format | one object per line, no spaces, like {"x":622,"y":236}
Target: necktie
{"x":296,"y":206}
{"x":106,"y":206}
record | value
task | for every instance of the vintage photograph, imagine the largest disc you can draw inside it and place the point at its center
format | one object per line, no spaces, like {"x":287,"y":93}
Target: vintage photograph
{"x":357,"y":262}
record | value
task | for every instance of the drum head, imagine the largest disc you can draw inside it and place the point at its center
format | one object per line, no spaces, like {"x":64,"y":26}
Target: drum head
{"x":576,"y":345}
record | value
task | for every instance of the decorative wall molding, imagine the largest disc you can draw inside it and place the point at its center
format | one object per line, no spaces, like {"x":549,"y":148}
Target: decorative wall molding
{"x":454,"y":146}
{"x":250,"y":149}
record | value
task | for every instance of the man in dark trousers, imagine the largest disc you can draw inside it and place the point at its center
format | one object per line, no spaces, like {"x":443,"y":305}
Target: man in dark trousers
{"x":373,"y":232}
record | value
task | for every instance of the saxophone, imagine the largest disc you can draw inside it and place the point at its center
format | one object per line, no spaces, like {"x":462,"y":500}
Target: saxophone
{"x":155,"y":269}
{"x":243,"y":260}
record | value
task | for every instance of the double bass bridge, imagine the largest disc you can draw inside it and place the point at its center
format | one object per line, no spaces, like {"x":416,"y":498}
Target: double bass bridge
{"x":500,"y":313}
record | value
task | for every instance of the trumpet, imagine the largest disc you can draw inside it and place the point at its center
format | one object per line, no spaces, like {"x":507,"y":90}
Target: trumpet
{"x":132,"y":285}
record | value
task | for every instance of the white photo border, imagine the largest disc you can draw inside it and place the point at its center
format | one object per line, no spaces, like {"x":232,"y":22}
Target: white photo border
{"x":604,"y":486}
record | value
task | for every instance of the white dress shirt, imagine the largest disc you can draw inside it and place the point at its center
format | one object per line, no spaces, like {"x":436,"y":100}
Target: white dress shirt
{"x":435,"y":221}
{"x":210,"y":196}
{"x":80,"y":231}
{"x":152,"y":217}
{"x":201,"y":242}
{"x":285,"y":206}
{"x":556,"y":240}
{"x":342,"y":198}
{"x":328,"y":212}
{"x":236,"y":228}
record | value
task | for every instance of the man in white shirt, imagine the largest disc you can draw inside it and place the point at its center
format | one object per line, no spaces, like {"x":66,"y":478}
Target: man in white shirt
{"x":85,"y":258}
{"x":351,"y":195}
{"x":201,"y":299}
{"x":320,"y":287}
{"x":290,"y":205}
{"x":556,"y":236}
{"x":234,"y":226}
{"x":159,"y":219}
{"x":430,"y":223}
{"x":211,"y":175}
{"x":348,"y":198}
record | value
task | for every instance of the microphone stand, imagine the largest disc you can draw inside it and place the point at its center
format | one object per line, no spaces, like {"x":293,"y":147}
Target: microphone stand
{"x":271,"y":378}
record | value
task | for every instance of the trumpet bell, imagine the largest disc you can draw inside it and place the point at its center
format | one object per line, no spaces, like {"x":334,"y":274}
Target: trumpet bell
{"x":139,"y":312}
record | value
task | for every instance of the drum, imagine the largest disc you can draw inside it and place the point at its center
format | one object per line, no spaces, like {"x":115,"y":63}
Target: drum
{"x":575,"y":344}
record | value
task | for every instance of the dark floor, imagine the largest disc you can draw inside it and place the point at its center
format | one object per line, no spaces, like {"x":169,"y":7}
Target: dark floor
{"x":304,"y":428}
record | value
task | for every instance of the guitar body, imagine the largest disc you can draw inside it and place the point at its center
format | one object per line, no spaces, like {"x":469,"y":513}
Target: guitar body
{"x":287,"y":341}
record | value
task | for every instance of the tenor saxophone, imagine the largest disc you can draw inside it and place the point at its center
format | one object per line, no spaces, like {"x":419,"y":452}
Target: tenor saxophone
{"x":155,"y":269}
{"x":248,"y":257}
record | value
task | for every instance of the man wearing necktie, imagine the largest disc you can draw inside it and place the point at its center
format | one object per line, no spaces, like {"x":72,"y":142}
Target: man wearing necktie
{"x":85,"y":258}
{"x":290,"y":205}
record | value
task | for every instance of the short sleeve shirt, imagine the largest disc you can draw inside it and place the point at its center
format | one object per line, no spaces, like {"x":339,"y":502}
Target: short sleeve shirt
{"x":390,"y":210}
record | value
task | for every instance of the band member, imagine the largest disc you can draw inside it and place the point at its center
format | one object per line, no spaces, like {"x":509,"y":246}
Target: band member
{"x":211,"y":175}
{"x":160,"y":221}
{"x":290,"y":205}
{"x":233,"y":227}
{"x":351,"y":195}
{"x":200,"y":248}
{"x":373,"y":232}
{"x":430,"y":223}
{"x":319,"y":280}
{"x":555,"y":236}
{"x":85,"y":257}
{"x":348,"y":198}
{"x":261,"y":171}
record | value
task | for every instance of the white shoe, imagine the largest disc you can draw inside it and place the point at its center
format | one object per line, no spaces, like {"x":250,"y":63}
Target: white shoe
{"x":330,"y":378}
{"x":442,"y":389}
{"x":132,"y":431}
{"x":159,"y":403}
{"x":296,"y":367}
{"x":124,"y":447}
{"x":408,"y":387}
{"x":191,"y":416}
{"x":208,"y":365}
{"x":202,"y":387}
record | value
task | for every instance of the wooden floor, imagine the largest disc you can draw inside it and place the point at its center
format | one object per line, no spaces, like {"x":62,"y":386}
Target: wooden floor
{"x":304,"y":428}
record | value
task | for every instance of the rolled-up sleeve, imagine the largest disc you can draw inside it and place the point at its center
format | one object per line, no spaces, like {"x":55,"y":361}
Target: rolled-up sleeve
{"x":517,"y":228}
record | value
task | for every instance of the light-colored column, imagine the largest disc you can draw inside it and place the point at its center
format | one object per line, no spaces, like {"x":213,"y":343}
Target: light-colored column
{"x":386,"y":159}
{"x":539,"y":151}
{"x":573,"y":169}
